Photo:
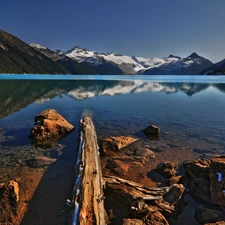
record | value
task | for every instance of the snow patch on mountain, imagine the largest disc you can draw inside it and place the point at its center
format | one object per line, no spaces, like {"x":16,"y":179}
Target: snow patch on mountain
{"x":136,"y":63}
{"x":34,"y":45}
{"x":193,"y":64}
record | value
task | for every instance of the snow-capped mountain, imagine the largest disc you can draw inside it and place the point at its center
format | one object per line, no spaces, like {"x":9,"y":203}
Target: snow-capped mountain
{"x":112,"y":63}
{"x":190,"y":65}
{"x":128,"y":64}
{"x":216,"y":69}
{"x":193,"y":64}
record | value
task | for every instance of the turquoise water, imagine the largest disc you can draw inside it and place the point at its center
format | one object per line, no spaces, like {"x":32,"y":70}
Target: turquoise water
{"x":159,"y":78}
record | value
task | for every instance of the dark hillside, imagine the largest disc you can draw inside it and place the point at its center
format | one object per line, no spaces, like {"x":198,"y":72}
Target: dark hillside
{"x":18,"y":57}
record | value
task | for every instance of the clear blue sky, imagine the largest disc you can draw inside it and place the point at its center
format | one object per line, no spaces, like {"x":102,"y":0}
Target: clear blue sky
{"x":150,"y":28}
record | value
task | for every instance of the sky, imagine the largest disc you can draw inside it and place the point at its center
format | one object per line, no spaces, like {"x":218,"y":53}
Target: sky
{"x":148,"y":28}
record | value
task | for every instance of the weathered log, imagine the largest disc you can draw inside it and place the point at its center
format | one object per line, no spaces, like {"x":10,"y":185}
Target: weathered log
{"x":138,"y":199}
{"x":88,"y":195}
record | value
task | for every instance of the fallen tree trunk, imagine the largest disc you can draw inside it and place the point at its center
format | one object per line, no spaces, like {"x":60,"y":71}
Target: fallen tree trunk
{"x":139,"y":200}
{"x":149,"y":204}
{"x":88,"y":196}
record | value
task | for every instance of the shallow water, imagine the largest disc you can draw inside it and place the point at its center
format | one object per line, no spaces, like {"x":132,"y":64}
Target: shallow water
{"x":190,"y":114}
{"x":188,"y":109}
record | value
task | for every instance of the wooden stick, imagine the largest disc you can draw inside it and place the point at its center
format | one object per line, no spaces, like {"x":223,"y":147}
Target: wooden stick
{"x":88,"y":197}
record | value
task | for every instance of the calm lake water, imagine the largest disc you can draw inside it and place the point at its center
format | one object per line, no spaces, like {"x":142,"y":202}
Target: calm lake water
{"x":189,"y":110}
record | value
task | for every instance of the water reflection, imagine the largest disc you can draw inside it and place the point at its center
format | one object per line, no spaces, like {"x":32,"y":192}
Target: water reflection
{"x":17,"y":94}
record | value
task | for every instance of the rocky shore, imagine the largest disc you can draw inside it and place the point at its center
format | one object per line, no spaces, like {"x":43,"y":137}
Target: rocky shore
{"x":143,"y":186}
{"x":202,"y":179}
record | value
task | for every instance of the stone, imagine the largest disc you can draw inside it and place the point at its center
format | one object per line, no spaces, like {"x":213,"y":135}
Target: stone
{"x":199,"y":189}
{"x":167,"y":170}
{"x":217,"y":180}
{"x":9,"y":198}
{"x":206,"y":215}
{"x":40,"y":161}
{"x":116,"y":143}
{"x":49,"y":128}
{"x":197,"y":168}
{"x":152,"y":132}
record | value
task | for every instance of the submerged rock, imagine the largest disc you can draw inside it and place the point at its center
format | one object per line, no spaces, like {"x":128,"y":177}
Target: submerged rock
{"x":206,"y":215}
{"x":40,"y":161}
{"x":49,"y":128}
{"x":152,"y":130}
{"x":199,"y":189}
{"x":115,"y":143}
{"x":117,"y":166}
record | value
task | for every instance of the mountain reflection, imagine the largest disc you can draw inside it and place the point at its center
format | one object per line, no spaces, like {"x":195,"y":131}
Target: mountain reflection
{"x":17,"y":94}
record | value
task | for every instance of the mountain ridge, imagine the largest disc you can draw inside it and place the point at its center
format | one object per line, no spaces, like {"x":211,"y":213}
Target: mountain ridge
{"x":192,"y":64}
{"x":19,"y":57}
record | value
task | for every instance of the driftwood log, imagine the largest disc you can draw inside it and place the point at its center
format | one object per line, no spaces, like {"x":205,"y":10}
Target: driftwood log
{"x":88,"y":196}
{"x":140,"y":200}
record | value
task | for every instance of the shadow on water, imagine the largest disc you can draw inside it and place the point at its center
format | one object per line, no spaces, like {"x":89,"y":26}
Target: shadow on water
{"x":47,"y":205}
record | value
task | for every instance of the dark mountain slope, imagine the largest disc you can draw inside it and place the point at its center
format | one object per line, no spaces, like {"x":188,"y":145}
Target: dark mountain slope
{"x":18,"y":57}
{"x":216,"y":69}
{"x":86,"y":67}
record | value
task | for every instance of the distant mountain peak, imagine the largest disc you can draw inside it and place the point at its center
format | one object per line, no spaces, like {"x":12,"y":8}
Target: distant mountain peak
{"x":194,"y":55}
{"x":174,"y":56}
{"x":77,"y":48}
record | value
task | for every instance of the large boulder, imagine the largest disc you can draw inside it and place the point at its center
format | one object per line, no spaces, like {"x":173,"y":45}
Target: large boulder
{"x":9,"y":198}
{"x":217,"y":180}
{"x":49,"y":128}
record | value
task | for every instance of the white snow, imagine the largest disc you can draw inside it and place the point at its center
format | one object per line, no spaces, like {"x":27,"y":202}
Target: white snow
{"x":134,"y":63}
{"x":34,"y":45}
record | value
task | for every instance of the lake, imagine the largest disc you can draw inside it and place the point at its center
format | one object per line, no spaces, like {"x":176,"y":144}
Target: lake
{"x":188,"y":109}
